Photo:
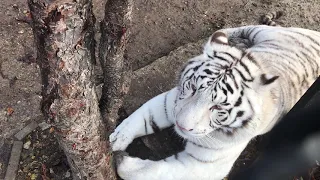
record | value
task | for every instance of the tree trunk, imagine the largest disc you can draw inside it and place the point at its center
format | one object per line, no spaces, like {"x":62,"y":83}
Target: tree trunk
{"x":115,"y":32}
{"x":64,"y":35}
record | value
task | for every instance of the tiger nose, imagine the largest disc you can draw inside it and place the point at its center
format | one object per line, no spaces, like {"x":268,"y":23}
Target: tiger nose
{"x":182,"y":128}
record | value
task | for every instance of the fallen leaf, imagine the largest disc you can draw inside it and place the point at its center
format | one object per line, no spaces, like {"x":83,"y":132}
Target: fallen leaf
{"x":33,"y":176}
{"x":51,"y":130}
{"x":9,"y":111}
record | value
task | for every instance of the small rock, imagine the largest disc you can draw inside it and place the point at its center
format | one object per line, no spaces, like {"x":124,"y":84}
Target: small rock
{"x":15,"y":6}
{"x":51,"y":171}
{"x":168,"y":19}
{"x":27,"y":145}
{"x":21,"y":31}
{"x":67,"y":174}
{"x":44,"y":126}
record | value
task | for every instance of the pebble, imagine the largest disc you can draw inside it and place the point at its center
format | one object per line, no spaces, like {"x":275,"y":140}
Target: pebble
{"x":67,"y":174}
{"x":51,"y":171}
{"x":27,"y":145}
{"x":44,"y":126}
{"x":21,"y":31}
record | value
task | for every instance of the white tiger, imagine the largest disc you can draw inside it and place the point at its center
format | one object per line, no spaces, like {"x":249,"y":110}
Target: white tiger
{"x":225,"y":97}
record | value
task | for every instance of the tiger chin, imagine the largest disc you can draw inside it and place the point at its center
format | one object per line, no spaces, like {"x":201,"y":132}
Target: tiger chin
{"x":225,"y":97}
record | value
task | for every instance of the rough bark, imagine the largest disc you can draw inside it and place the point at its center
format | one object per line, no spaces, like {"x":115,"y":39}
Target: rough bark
{"x":115,"y":32}
{"x":64,"y":35}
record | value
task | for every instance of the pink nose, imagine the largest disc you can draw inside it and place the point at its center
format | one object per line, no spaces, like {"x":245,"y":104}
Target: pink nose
{"x":183,"y":128}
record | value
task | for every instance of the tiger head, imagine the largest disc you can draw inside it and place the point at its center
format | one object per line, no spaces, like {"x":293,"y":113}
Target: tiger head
{"x":219,"y":90}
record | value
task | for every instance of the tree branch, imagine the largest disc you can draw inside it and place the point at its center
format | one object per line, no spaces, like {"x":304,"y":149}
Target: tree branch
{"x":64,"y":35}
{"x":112,"y":54}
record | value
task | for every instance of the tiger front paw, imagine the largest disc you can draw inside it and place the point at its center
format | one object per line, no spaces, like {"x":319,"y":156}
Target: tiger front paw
{"x":121,"y":137}
{"x":127,"y":167}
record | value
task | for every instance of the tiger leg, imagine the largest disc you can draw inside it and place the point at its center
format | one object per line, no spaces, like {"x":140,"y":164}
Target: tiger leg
{"x":151,"y":117}
{"x":181,"y":166}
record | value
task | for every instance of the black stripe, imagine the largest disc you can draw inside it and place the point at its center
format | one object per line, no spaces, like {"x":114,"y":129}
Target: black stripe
{"x":255,"y":35}
{"x":208,"y":71}
{"x":201,"y":87}
{"x":222,"y":120}
{"x":145,"y":125}
{"x":153,"y":124}
{"x":197,"y":67}
{"x":252,"y":59}
{"x":225,"y":92}
{"x":186,"y":72}
{"x":249,"y":32}
{"x":234,"y":80}
{"x":114,"y":140}
{"x":201,"y":146}
{"x":229,"y":88}
{"x":176,"y":156}
{"x":199,"y":159}
{"x":242,"y":76}
{"x":219,"y":57}
{"x":251,"y":107}
{"x":313,"y":62}
{"x":239,"y":101}
{"x":193,"y":68}
{"x":230,"y":55}
{"x":244,"y":84}
{"x":239,"y":114}
{"x":225,"y":100}
{"x":308,"y":37}
{"x":246,"y":68}
{"x":165,"y":107}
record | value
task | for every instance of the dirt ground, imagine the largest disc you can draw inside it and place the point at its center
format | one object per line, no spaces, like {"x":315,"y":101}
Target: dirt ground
{"x":159,"y":27}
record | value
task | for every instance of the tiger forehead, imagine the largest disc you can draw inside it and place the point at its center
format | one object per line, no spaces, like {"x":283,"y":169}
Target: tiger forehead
{"x":196,"y":69}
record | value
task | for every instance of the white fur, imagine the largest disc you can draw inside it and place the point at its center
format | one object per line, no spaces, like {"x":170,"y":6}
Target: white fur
{"x":211,"y":153}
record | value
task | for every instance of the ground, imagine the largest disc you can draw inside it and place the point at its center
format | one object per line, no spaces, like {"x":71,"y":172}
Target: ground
{"x":159,"y":27}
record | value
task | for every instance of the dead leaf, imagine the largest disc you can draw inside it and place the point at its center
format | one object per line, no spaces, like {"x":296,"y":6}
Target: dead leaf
{"x":10,"y":111}
{"x":51,"y":130}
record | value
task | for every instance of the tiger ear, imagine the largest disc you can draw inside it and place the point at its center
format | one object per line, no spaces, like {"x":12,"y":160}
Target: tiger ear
{"x":219,"y":38}
{"x":266,"y":79}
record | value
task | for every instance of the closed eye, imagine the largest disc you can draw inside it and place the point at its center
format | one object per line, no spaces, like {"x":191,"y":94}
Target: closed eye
{"x":225,"y":104}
